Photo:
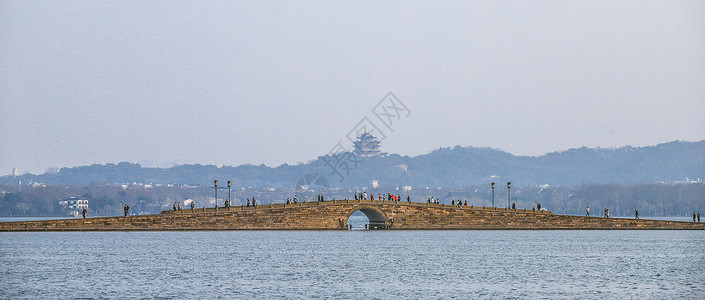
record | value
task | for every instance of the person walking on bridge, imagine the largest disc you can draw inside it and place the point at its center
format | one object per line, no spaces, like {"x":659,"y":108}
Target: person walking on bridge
{"x":127,"y":209}
{"x":587,"y":211}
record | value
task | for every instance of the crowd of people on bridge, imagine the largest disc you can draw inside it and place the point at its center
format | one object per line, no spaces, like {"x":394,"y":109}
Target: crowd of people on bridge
{"x":382,"y":197}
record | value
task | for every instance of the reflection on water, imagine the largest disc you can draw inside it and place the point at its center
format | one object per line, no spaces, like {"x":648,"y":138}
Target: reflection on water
{"x":353,"y":264}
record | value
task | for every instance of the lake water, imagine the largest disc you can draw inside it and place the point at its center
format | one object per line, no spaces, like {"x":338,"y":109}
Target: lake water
{"x":353,"y":264}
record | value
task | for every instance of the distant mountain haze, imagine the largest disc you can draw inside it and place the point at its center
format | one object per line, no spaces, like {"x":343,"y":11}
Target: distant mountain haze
{"x":454,"y":167}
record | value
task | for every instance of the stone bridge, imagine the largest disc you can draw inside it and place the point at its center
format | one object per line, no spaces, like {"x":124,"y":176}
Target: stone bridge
{"x":333,"y":215}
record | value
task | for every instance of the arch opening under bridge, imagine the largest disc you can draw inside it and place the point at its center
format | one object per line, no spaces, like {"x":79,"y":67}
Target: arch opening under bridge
{"x":366,"y":217}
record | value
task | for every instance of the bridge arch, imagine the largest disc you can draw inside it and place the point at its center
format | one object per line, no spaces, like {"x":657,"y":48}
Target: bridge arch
{"x":377,"y":218}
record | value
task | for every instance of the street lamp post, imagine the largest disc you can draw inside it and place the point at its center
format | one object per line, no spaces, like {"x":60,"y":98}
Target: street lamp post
{"x":230,"y":202}
{"x":215,"y":183}
{"x":509,"y":195}
{"x":493,"y":195}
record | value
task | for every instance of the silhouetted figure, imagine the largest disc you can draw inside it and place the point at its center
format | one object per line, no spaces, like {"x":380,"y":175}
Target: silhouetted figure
{"x":587,"y":211}
{"x":452,"y":202}
{"x":174,"y":206}
{"x":355,"y":196}
{"x":636,"y":214}
{"x":538,"y":206}
{"x":254,"y":202}
{"x":698,"y":217}
{"x":408,"y":199}
{"x":192,"y":205}
{"x":178,"y":205}
{"x":248,"y":202}
{"x":84,"y":212}
{"x":288,"y":201}
{"x":127,"y":209}
{"x":514,"y":206}
{"x":606,"y":214}
{"x":466,"y":202}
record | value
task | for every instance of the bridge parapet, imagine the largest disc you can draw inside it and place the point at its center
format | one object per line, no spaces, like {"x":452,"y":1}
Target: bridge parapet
{"x":343,"y":202}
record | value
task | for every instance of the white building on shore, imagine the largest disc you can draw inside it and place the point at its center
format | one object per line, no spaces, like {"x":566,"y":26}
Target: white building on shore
{"x":74,"y":205}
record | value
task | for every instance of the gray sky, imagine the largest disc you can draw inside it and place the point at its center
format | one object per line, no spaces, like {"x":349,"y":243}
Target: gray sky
{"x":228,"y":83}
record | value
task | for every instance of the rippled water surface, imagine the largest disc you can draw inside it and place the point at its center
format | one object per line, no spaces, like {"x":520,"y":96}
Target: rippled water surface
{"x":354,"y":264}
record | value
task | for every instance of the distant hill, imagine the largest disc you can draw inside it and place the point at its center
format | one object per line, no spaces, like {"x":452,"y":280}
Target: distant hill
{"x":455,"y":167}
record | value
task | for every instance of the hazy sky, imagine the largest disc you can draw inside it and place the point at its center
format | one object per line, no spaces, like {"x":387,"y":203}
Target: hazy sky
{"x":274,"y":82}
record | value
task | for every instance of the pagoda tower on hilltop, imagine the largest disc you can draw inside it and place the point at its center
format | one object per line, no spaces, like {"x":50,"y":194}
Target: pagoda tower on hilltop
{"x":367,"y":145}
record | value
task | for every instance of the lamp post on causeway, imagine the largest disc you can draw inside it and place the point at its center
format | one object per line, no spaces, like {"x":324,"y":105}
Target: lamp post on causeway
{"x":509,"y":195}
{"x":493,"y":195}
{"x":230,"y":202}
{"x":215,"y":183}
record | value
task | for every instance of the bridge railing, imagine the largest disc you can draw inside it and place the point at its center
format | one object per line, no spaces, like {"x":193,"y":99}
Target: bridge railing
{"x":339,"y":202}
